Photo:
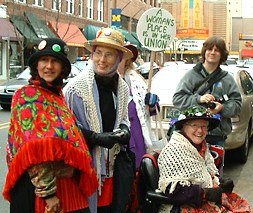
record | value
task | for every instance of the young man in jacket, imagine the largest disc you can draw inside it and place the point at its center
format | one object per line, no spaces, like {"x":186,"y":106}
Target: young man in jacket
{"x":222,"y":97}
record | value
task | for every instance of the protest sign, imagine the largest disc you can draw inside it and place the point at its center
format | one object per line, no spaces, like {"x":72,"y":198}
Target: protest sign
{"x":156,"y":29}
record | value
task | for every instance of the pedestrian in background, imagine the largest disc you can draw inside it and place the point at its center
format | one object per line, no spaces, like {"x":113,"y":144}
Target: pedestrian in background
{"x":49,"y":164}
{"x":221,"y":96}
{"x":99,"y":99}
{"x":140,"y":107}
{"x":188,"y":175}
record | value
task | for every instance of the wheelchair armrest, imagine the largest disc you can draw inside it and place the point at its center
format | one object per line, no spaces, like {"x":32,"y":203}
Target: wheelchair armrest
{"x":158,"y":197}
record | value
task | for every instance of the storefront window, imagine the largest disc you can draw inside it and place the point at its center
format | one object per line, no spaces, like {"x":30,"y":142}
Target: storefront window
{"x":15,"y":62}
{"x":124,"y":22}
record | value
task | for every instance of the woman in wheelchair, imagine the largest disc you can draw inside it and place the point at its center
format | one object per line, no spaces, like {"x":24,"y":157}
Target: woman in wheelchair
{"x":188,"y":175}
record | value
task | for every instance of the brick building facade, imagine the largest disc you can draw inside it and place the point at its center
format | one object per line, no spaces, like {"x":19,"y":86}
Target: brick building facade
{"x":79,"y":13}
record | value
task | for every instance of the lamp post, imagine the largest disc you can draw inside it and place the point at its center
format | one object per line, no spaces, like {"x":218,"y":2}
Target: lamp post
{"x":7,"y":39}
{"x":176,"y":44}
{"x":175,"y":47}
{"x":182,"y":49}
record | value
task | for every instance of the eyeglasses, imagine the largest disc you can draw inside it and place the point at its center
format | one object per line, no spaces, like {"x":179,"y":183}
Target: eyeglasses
{"x":108,"y":56}
{"x":196,"y":127}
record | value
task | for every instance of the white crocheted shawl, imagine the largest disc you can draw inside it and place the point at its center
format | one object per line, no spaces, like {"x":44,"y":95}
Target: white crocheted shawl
{"x":139,"y":90}
{"x":180,"y":163}
{"x":84,"y":86}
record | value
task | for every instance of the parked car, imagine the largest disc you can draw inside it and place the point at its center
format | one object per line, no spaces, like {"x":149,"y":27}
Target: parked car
{"x":145,"y":68}
{"x":9,"y":87}
{"x":81,"y":64}
{"x":249,"y":70}
{"x":240,"y":62}
{"x":169,"y":64}
{"x":164,"y":84}
{"x":230,"y":62}
{"x":249,"y":62}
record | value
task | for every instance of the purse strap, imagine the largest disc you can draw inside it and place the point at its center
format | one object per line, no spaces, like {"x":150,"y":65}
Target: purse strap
{"x":215,"y":76}
{"x":213,"y":80}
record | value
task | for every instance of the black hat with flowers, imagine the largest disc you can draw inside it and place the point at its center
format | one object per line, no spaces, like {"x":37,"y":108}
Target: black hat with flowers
{"x":194,"y":113}
{"x":54,"y":47}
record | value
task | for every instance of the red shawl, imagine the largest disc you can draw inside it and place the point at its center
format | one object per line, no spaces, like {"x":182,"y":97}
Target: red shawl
{"x":44,"y":129}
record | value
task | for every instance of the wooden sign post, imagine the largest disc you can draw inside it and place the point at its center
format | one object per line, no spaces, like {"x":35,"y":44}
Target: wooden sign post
{"x":156,"y":29}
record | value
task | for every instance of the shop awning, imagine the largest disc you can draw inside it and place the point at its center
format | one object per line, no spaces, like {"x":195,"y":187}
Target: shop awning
{"x":40,"y":27}
{"x":247,"y":53}
{"x":25,"y":29}
{"x":90,"y":31}
{"x":69,"y":33}
{"x":130,"y":38}
{"x":7,"y":31}
{"x":136,"y":37}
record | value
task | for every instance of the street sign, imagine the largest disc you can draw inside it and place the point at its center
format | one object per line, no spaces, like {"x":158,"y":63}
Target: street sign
{"x":156,"y":29}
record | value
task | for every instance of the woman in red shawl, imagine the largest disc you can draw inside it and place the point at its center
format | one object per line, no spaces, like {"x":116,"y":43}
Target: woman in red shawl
{"x":50,"y":167}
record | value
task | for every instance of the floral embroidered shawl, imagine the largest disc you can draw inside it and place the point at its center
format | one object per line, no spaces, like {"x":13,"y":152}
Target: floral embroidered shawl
{"x":44,"y":129}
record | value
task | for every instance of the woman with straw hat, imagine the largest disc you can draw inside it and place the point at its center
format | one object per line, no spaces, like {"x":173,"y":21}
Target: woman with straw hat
{"x":99,"y":99}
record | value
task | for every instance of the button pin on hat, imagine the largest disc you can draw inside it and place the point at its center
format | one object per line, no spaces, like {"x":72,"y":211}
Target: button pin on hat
{"x":107,"y":32}
{"x":56,"y":48}
{"x":42,"y":45}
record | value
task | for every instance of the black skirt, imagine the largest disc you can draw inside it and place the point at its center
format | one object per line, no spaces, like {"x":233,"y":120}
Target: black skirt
{"x":23,"y":196}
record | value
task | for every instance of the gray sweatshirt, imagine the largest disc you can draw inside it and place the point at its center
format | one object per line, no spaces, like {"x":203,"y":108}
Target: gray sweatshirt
{"x":187,"y":95}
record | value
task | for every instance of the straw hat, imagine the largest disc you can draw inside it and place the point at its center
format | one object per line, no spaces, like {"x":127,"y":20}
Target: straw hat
{"x":109,"y":37}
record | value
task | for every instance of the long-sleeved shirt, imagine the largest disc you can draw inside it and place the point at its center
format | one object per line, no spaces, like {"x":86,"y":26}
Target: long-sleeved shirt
{"x":186,"y":96}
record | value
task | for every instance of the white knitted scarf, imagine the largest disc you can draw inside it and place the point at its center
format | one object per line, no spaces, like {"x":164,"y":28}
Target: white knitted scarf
{"x":139,"y":89}
{"x":84,"y":86}
{"x":180,"y":163}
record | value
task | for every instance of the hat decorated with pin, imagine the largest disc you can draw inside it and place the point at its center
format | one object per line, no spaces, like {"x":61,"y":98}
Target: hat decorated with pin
{"x":54,"y":47}
{"x":112,"y":38}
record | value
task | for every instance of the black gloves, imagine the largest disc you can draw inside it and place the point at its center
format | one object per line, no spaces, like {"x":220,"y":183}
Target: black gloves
{"x":125,"y":138}
{"x":227,"y":185}
{"x":214,"y":195}
{"x":105,"y":139}
{"x":108,"y":139}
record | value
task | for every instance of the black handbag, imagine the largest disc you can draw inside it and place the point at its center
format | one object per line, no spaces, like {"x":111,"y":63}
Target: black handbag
{"x":123,"y":180}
